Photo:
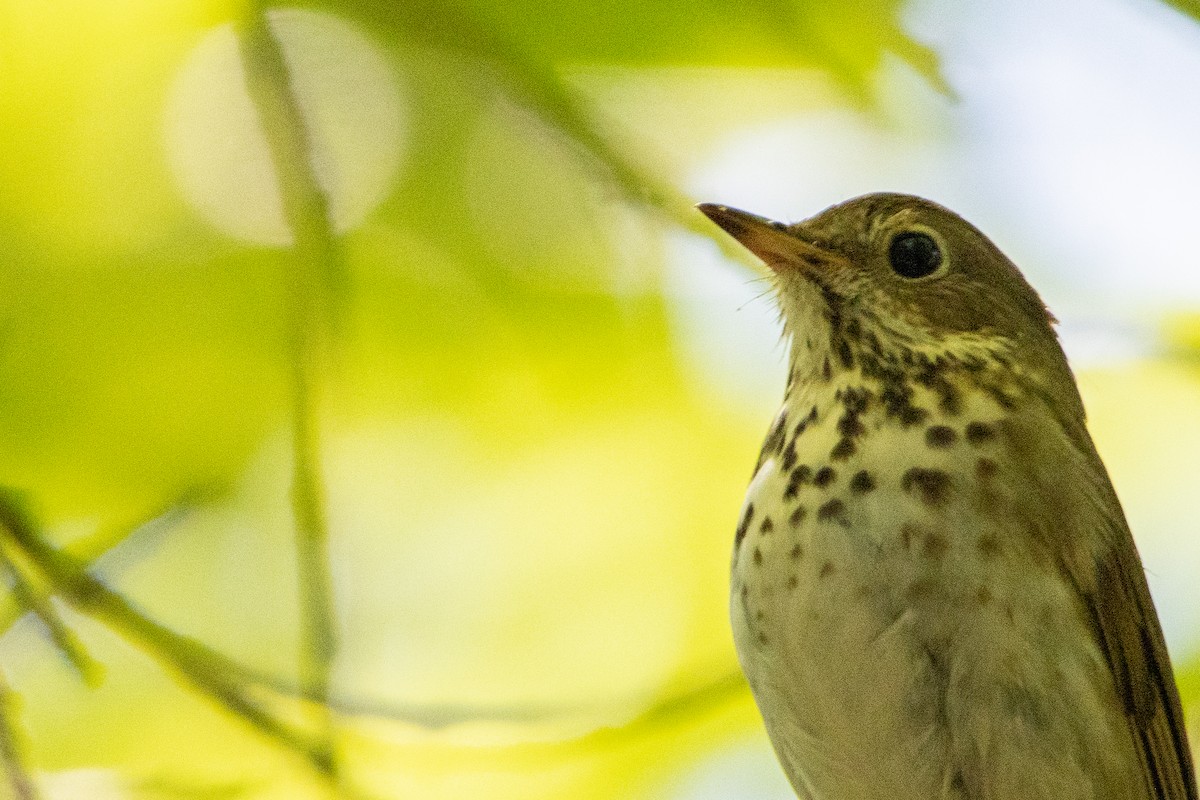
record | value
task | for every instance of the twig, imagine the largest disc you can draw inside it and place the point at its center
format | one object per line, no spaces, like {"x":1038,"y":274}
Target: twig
{"x":11,"y":754}
{"x":202,"y":667}
{"x":33,"y":598}
{"x":310,"y":285}
{"x":90,"y":549}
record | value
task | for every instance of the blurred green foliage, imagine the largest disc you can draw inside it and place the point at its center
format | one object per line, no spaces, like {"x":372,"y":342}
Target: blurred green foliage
{"x":529,"y":501}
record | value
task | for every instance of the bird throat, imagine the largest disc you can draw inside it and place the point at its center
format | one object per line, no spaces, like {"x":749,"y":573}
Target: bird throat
{"x":858,"y":375}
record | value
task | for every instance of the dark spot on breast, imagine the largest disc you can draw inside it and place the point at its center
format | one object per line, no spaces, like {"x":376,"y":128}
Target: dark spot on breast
{"x":862,"y":482}
{"x":793,"y":582}
{"x":844,"y":354}
{"x":833,"y":303}
{"x":949,"y":400}
{"x":763,"y":640}
{"x":850,"y":425}
{"x":758,"y":557}
{"x":798,"y":516}
{"x":980,"y":432}
{"x":1002,"y":398}
{"x":869,"y":364}
{"x":832,"y":510}
{"x":843,"y":450}
{"x":774,"y":440}
{"x":767,"y":525}
{"x":800,"y":475}
{"x":760,"y":615}
{"x":803,"y":424}
{"x":827,"y":370}
{"x":824,"y":477}
{"x":872,"y":340}
{"x":744,"y":524}
{"x":983,"y":596}
{"x":827,"y":569}
{"x":912,"y":415}
{"x":940,"y":436}
{"x":789,"y":456}
{"x":895,"y":396}
{"x":928,"y":374}
{"x":856,"y":399}
{"x":797,"y":552}
{"x":853,"y":329}
{"x":932,"y":486}
{"x":985,"y":469}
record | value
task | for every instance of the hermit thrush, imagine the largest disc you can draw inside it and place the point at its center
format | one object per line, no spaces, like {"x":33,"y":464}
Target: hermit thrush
{"x":935,"y":593}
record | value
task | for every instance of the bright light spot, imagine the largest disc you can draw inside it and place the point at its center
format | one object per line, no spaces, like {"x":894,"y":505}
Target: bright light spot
{"x":726,"y":324}
{"x":748,"y":771}
{"x":1088,"y":148}
{"x":352,"y":111}
{"x":77,"y":784}
{"x":1091,"y":342}
{"x":790,"y":170}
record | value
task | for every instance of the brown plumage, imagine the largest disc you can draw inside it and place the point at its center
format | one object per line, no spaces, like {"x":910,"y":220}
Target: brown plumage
{"x":976,"y":625}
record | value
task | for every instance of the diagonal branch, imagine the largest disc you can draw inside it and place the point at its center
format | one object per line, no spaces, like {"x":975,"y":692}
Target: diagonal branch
{"x":31,"y":596}
{"x":197,"y":664}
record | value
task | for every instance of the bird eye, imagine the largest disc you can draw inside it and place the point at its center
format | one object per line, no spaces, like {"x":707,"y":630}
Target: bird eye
{"x":914,"y":255}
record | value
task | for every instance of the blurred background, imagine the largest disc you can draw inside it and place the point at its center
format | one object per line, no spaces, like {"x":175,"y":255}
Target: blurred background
{"x":375,"y":410}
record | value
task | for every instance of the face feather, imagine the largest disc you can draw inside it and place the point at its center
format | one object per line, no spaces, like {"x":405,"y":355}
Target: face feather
{"x":890,"y":281}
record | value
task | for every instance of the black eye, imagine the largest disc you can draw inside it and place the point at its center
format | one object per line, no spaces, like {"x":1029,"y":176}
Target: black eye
{"x":914,"y":255}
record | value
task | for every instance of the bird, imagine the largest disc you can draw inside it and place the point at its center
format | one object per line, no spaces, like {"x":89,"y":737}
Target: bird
{"x":935,"y":594}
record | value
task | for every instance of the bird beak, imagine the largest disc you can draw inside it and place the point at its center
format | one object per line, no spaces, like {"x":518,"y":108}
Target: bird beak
{"x":777,"y":246}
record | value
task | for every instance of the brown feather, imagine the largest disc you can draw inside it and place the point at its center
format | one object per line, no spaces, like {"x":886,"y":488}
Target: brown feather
{"x":1112,"y":586}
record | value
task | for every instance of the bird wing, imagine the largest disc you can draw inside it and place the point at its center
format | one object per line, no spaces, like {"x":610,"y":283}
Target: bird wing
{"x":1111,"y":582}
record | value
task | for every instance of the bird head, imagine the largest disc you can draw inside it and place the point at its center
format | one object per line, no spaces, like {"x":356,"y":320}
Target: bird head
{"x":889,"y":283}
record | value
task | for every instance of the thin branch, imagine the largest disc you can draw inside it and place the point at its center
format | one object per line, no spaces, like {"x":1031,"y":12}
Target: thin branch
{"x":310,"y":285}
{"x":198,"y":665}
{"x":12,"y":755}
{"x":33,"y":598}
{"x":90,"y":549}
{"x":251,"y":695}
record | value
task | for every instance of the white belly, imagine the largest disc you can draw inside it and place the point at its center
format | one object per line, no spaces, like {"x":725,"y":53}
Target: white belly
{"x":903,"y":638}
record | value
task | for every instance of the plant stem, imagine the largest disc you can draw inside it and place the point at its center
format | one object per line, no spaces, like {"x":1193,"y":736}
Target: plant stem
{"x":11,"y":756}
{"x":199,"y":665}
{"x":309,"y":292}
{"x":31,"y":597}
